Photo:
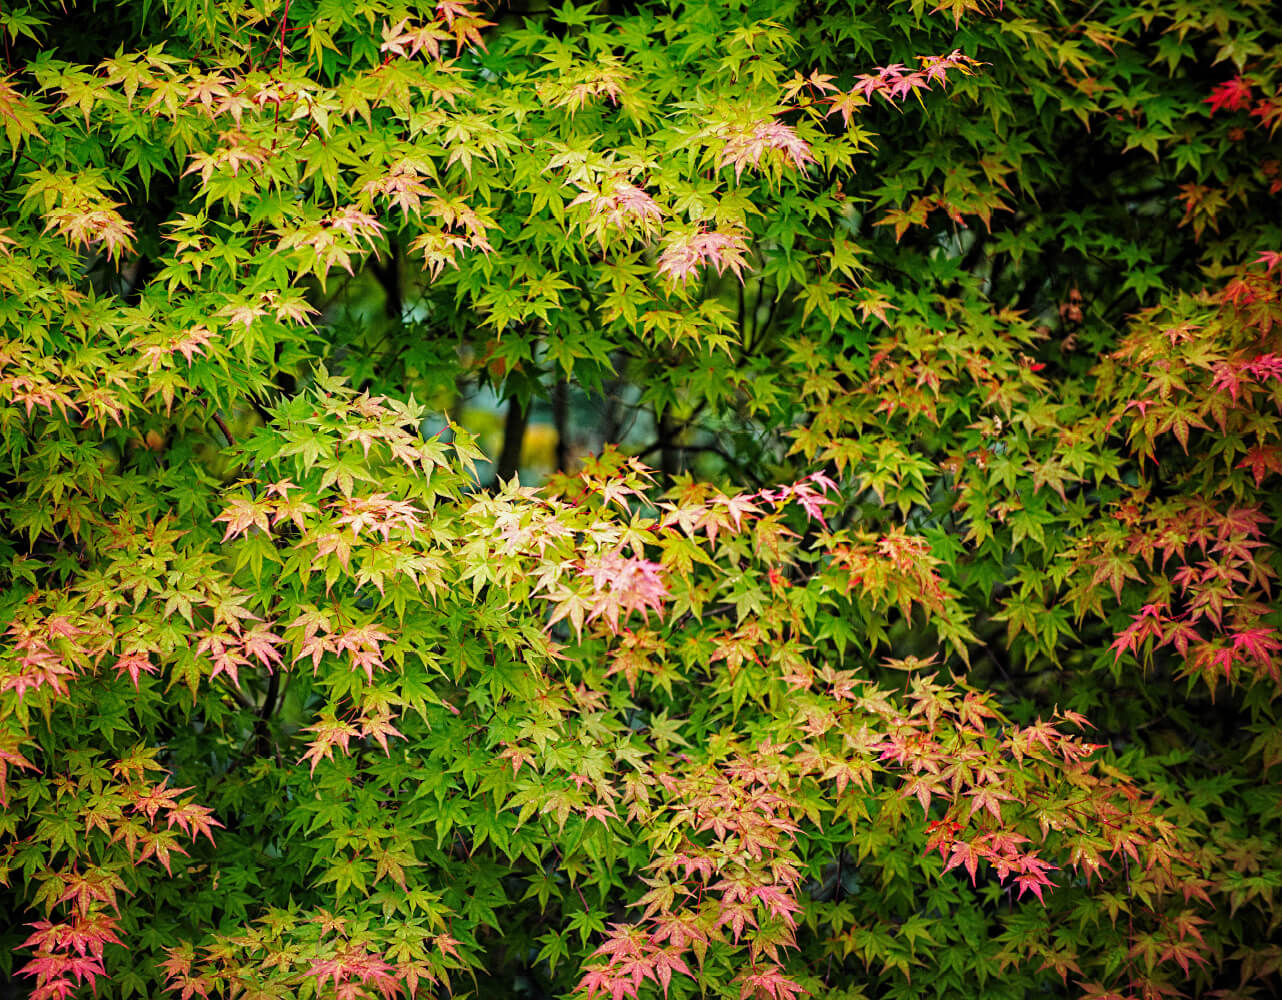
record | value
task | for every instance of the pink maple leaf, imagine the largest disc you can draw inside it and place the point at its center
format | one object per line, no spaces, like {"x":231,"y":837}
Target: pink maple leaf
{"x":135,"y":663}
{"x":622,"y":585}
{"x":769,"y":984}
{"x":620,"y":205}
{"x":747,"y":145}
{"x":685,"y":253}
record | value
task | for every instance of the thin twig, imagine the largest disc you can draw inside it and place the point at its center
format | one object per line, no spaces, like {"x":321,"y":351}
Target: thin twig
{"x":283,"y":21}
{"x":222,"y":426}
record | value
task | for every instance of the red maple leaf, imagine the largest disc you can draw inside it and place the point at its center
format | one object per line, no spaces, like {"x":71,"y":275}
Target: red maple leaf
{"x":193,"y":820}
{"x":769,"y":984}
{"x":87,"y":935}
{"x":135,"y":663}
{"x":1231,"y":95}
{"x":152,"y":800}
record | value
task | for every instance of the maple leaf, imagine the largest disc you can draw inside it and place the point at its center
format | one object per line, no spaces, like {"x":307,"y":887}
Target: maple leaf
{"x":408,"y":41}
{"x":260,"y":643}
{"x":846,"y":105}
{"x":448,"y":10}
{"x":362,"y":646}
{"x":86,"y":934}
{"x":574,"y":604}
{"x":1183,"y":953}
{"x":245,"y":512}
{"x":244,"y":314}
{"x":961,"y":7}
{"x":936,"y":68}
{"x":40,"y":667}
{"x":192,"y":819}
{"x":778,"y":902}
{"x":379,"y":727}
{"x":355,"y":223}
{"x":1034,"y":882}
{"x":96,"y":885}
{"x":134,"y":664}
{"x":966,"y":854}
{"x":330,"y":733}
{"x":684,"y":253}
{"x":466,"y":28}
{"x":1262,"y":460}
{"x":679,"y":929}
{"x":226,"y":653}
{"x":769,"y":984}
{"x":606,"y":79}
{"x":440,"y":249}
{"x":352,"y":965}
{"x":619,"y":205}
{"x":737,"y":507}
{"x":11,"y":757}
{"x":623,"y":584}
{"x":89,"y":224}
{"x":989,"y":797}
{"x":1259,"y":643}
{"x":811,"y":501}
{"x":600,"y":980}
{"x":151,"y":800}
{"x":238,"y":151}
{"x":517,"y":756}
{"x":1271,"y":259}
{"x":57,"y":974}
{"x":1231,"y":95}
{"x":746,"y":145}
{"x":160,"y":844}
{"x":206,"y":89}
{"x":664,"y":963}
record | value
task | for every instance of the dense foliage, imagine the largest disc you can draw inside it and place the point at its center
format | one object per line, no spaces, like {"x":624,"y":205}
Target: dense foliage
{"x":894,"y":615}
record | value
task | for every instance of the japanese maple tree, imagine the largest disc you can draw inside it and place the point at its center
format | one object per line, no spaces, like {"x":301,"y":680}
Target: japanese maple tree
{"x":751,"y":500}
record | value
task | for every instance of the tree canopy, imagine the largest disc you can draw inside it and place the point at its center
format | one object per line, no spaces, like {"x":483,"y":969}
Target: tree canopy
{"x":711,"y":499}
